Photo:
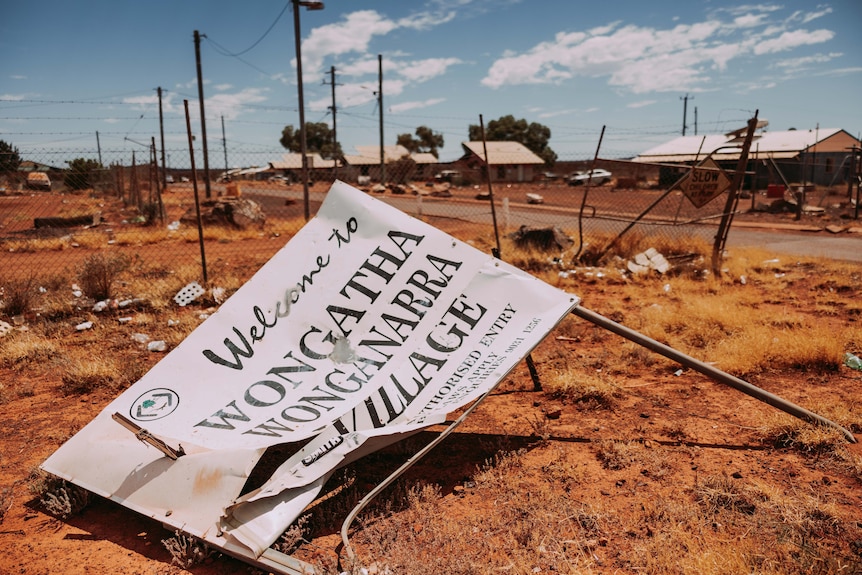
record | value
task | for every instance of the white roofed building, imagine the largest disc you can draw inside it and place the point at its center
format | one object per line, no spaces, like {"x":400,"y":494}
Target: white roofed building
{"x":819,"y":156}
{"x":509,"y":161}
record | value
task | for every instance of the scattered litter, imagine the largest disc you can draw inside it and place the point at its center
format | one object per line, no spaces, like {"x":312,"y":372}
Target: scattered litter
{"x":773,"y":261}
{"x":189,"y":293}
{"x":852,"y":361}
{"x":5,"y":328}
{"x":157,"y":345}
{"x":101,"y":306}
{"x":218,"y":294}
{"x":173,"y":322}
{"x":124,"y":319}
{"x":678,"y":372}
{"x":42,"y":290}
{"x":84,"y":326}
{"x":140,"y":338}
{"x":743,"y":280}
{"x":651,"y":259}
{"x":203,"y":316}
{"x":128,"y":302}
{"x":779,"y":275}
{"x":76,"y":291}
{"x":666,"y":288}
{"x":173,"y":226}
{"x":564,"y":275}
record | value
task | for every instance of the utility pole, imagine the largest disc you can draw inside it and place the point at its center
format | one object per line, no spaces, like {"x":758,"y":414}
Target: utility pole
{"x":695,"y":120}
{"x":162,"y":133}
{"x":685,"y":111}
{"x":203,"y":116}
{"x":334,"y":134}
{"x":99,"y":147}
{"x":224,"y":144}
{"x":380,"y":105}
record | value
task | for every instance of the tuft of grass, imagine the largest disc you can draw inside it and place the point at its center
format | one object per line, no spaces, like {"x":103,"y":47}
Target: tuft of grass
{"x":24,"y":349}
{"x":85,"y":375}
{"x":592,"y":388}
{"x":16,"y":296}
{"x":98,"y":273}
{"x":785,"y":431}
{"x":187,"y":551}
{"x":57,"y":496}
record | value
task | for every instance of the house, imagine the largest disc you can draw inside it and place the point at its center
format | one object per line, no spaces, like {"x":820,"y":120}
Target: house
{"x":290,"y":165}
{"x":819,"y":156}
{"x":367,"y":163}
{"x":509,"y":161}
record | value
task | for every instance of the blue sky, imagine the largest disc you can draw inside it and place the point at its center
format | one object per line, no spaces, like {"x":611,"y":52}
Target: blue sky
{"x":71,"y":69}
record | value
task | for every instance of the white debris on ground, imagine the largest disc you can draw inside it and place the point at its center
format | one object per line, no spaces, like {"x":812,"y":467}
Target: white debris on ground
{"x":651,"y":259}
{"x":189,"y":293}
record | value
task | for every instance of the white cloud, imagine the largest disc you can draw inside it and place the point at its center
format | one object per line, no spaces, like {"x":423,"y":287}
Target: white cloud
{"x":354,"y":35}
{"x":18,"y":77}
{"x":405,"y":106}
{"x":223,"y":87}
{"x":683,"y":57}
{"x":424,"y":70}
{"x":805,"y":61}
{"x":142,"y":101}
{"x":230,"y":105}
{"x":642,"y":59}
{"x":793,"y":39}
{"x":425,"y":20}
{"x":748,"y":20}
{"x":641,"y":104}
{"x":815,"y":15}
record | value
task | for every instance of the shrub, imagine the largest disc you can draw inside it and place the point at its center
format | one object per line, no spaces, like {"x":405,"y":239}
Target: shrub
{"x":17,"y":296}
{"x":99,"y":272}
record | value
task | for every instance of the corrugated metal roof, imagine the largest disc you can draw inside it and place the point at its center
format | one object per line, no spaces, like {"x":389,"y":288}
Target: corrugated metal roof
{"x":503,"y":153}
{"x":783,"y":144}
{"x":390,"y":153}
{"x":294,"y":162}
{"x":424,"y":158}
{"x":370,"y":156}
{"x":354,"y":160}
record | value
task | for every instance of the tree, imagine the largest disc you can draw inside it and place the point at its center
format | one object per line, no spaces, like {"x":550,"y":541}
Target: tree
{"x":80,"y":173}
{"x":533,"y":135}
{"x":426,"y":140}
{"x":10,"y":159}
{"x":318,"y":139}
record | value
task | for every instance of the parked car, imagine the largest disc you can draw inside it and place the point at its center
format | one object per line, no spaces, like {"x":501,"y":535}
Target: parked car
{"x":169,"y":179}
{"x":451,"y":176}
{"x":38,"y":181}
{"x":597,"y":177}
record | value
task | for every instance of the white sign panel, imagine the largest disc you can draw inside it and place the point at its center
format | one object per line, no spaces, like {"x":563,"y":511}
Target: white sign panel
{"x":367,"y":324}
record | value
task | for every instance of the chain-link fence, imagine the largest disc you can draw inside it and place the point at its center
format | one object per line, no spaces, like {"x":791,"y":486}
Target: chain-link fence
{"x":125,"y":202}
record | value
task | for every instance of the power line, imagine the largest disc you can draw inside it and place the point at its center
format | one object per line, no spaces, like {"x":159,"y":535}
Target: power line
{"x":258,"y":41}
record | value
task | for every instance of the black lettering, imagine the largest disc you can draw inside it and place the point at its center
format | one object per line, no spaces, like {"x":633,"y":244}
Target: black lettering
{"x":224,"y":416}
{"x":232,"y":347}
{"x":269,"y":428}
{"x":254,"y":401}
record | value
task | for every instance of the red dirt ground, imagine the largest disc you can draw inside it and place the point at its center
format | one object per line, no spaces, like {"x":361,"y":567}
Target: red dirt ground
{"x":702,"y":426}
